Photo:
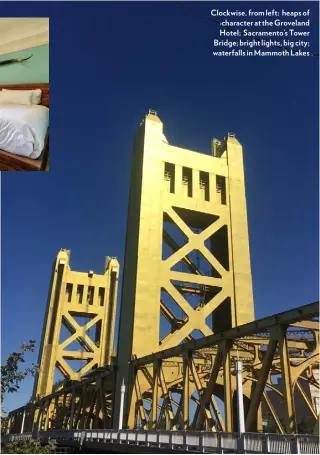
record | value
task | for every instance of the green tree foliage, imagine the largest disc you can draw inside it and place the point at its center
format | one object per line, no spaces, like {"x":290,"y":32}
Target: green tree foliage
{"x":316,"y":429}
{"x":306,"y":425}
{"x":11,"y":372}
{"x":11,"y":376}
{"x":30,"y":446}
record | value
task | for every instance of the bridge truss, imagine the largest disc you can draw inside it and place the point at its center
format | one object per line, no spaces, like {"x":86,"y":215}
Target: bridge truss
{"x":193,"y":385}
{"x":284,"y":346}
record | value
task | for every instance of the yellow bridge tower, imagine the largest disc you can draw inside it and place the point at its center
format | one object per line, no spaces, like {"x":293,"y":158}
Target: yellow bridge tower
{"x":187,"y":313}
{"x":74,"y":295}
{"x":187,"y":270}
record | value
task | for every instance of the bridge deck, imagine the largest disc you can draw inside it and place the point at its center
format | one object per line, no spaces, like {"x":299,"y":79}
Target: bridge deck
{"x":157,"y":441}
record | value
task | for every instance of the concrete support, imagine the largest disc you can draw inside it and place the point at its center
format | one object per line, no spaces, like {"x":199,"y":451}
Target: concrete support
{"x":23,"y":419}
{"x":227,"y":386}
{"x":241,"y":426}
{"x":122,"y":391}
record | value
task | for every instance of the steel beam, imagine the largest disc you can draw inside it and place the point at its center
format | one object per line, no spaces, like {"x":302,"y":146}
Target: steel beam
{"x":155,"y":395}
{"x":261,"y":325}
{"x":186,"y":390}
{"x":226,"y":363}
{"x":273,"y":413}
{"x":139,"y":402}
{"x":187,"y":262}
{"x":304,"y":396}
{"x":204,"y":400}
{"x":291,"y":425}
{"x":260,"y":385}
{"x":166,"y":395}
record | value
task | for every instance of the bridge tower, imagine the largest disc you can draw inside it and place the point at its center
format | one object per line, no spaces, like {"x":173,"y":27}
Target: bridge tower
{"x":85,"y":305}
{"x":187,"y":266}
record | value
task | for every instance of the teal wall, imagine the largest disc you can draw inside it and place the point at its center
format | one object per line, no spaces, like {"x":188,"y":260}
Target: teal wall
{"x":34,"y":70}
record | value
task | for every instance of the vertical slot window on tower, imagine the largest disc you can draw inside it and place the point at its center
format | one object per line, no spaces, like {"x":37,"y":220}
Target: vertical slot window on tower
{"x":169,"y":176}
{"x":101,"y":296}
{"x":90,"y":295}
{"x":187,"y":181}
{"x":69,"y":287}
{"x":204,"y":185}
{"x":80,"y":293}
{"x":221,"y":188}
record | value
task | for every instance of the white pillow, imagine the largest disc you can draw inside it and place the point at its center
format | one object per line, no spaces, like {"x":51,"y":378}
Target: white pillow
{"x":36,"y":94}
{"x":15,"y":97}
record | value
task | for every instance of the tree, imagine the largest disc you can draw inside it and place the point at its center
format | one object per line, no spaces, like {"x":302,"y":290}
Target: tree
{"x":11,"y":374}
{"x":306,"y":425}
{"x":28,"y":446}
{"x":271,"y":426}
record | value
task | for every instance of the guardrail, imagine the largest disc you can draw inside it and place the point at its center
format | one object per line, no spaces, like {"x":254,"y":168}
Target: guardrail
{"x":16,"y":437}
{"x":196,"y":441}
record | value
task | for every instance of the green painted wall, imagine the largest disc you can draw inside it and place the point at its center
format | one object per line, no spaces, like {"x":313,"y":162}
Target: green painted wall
{"x":34,"y":70}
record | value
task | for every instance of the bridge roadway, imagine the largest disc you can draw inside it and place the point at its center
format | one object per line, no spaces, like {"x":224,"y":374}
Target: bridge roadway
{"x":163,"y":441}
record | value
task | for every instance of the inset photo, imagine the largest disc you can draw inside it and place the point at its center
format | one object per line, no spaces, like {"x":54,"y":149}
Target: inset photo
{"x":24,"y":94}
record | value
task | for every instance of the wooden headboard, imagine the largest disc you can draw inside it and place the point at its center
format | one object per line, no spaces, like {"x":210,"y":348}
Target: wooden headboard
{"x":44,"y":86}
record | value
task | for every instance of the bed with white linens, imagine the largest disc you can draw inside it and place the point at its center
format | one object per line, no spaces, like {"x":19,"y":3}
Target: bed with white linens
{"x":24,"y":124}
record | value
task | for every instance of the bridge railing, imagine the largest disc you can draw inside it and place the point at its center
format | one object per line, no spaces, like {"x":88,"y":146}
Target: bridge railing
{"x":17,"y":437}
{"x":196,"y":441}
{"x":308,"y":445}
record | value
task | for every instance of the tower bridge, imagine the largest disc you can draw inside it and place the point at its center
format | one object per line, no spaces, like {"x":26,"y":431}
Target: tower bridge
{"x":186,"y":317}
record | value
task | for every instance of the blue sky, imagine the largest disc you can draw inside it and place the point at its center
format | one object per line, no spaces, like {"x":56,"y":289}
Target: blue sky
{"x":110,"y":63}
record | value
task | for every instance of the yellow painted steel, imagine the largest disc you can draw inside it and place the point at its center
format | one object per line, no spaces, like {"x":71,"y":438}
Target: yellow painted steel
{"x":155,"y":395}
{"x":186,"y":392}
{"x":290,"y":418}
{"x":203,"y":196}
{"x":88,"y":403}
{"x":261,"y":383}
{"x":75,"y":294}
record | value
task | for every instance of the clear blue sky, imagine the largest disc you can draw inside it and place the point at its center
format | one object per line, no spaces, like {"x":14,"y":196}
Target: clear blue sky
{"x":110,"y":63}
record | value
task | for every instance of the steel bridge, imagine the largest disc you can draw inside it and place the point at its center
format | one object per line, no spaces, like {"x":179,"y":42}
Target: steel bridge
{"x":285,"y":345}
{"x":187,"y":317}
